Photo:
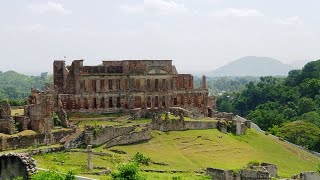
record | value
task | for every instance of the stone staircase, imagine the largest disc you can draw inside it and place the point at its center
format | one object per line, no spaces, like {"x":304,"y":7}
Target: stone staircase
{"x":73,"y":140}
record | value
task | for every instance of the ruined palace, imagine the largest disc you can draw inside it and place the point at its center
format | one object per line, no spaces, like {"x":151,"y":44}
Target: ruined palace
{"x":128,"y":84}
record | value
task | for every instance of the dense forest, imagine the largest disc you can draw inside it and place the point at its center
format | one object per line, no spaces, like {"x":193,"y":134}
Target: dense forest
{"x":287,"y":107}
{"x":15,"y":87}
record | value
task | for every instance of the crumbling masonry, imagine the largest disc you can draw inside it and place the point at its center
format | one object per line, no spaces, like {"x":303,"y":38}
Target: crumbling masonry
{"x":129,"y":84}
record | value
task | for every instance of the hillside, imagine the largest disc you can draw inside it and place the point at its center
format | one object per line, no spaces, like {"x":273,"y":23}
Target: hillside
{"x":194,"y":150}
{"x":14,"y":85}
{"x":253,"y":66}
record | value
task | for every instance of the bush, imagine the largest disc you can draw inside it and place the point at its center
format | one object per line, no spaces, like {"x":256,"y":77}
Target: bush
{"x":127,"y":172}
{"x":56,"y":120}
{"x":53,"y":175}
{"x":141,"y":159}
{"x":318,"y":170}
{"x":70,"y":176}
{"x":48,"y":175}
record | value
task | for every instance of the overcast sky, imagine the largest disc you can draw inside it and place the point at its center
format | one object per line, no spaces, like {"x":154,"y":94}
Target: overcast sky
{"x":196,"y":34}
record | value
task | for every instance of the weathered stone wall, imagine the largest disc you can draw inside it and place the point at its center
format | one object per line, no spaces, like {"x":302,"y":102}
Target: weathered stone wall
{"x":219,"y":174}
{"x":105,"y":134}
{"x":271,"y":168}
{"x":263,"y":172}
{"x":180,"y":125}
{"x":309,"y":176}
{"x":138,"y":135}
{"x":18,"y":142}
{"x":6,"y":121}
{"x":17,"y":165}
{"x":112,"y":136}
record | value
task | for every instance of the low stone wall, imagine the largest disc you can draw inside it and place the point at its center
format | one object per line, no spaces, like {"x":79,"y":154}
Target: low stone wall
{"x":263,"y":172}
{"x":254,"y":175}
{"x":18,"y":142}
{"x":106,"y":134}
{"x":58,"y":135}
{"x":113,"y":136}
{"x":309,"y":176}
{"x":136,"y":136}
{"x":219,"y":174}
{"x":180,"y":125}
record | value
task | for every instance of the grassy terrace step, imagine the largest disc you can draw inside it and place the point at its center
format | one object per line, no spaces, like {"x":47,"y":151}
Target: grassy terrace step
{"x":194,"y":150}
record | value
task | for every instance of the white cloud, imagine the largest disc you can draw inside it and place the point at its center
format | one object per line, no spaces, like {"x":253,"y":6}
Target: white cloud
{"x":164,"y":6}
{"x":131,"y":8}
{"x":233,"y":12}
{"x":30,"y":28}
{"x":49,"y":7}
{"x":293,"y":20}
{"x":155,"y":6}
{"x":37,"y":28}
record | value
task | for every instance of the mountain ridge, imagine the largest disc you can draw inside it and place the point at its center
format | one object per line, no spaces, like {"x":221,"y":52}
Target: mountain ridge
{"x":253,"y":66}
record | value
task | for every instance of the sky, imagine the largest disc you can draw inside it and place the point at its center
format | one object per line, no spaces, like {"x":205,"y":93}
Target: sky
{"x":198,"y":35}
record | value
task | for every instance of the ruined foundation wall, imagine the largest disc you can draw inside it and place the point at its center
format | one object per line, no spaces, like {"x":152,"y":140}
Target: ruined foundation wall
{"x":18,"y":142}
{"x":177,"y":125}
{"x":143,"y":134}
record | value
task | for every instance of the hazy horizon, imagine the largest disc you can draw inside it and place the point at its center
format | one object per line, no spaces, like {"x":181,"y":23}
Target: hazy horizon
{"x":198,"y":36}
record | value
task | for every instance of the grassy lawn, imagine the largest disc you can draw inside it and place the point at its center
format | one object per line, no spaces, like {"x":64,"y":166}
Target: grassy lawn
{"x":92,"y":115}
{"x":22,"y":133}
{"x":82,"y":123}
{"x":193,"y":150}
{"x":199,"y":149}
{"x":19,"y":112}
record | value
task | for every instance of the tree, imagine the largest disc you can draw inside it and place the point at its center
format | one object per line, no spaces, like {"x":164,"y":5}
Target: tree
{"x":293,"y":77}
{"x":266,"y":115}
{"x":310,"y":87}
{"x":300,"y":132}
{"x":306,"y":105}
{"x":312,"y":117}
{"x":289,"y":113}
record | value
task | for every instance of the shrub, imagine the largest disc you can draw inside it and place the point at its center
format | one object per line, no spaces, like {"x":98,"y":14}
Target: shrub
{"x":141,"y":159}
{"x":318,"y":170}
{"x":56,"y":120}
{"x":48,"y":175}
{"x":70,"y":176}
{"x":128,"y":171}
{"x":253,"y":163}
{"x":53,"y":175}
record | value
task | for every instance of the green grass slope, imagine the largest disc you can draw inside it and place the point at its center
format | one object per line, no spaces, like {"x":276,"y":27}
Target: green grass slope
{"x":191,"y":151}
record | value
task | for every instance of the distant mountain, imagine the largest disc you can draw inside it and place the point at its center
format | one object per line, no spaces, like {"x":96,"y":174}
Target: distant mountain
{"x":253,"y":66}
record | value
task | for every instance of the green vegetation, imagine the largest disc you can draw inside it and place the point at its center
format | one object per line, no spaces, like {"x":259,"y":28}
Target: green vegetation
{"x":77,"y":115}
{"x":15,"y":87}
{"x":53,"y":175}
{"x":83,"y":123}
{"x":273,"y":102}
{"x":19,"y":112}
{"x":128,"y":171}
{"x":139,"y":158}
{"x":191,"y":151}
{"x":217,"y":85}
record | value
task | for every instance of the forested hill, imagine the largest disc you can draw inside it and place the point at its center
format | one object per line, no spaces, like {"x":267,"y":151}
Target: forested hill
{"x":219,"y":85}
{"x":287,"y":107}
{"x":16,"y":86}
{"x":253,"y":66}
